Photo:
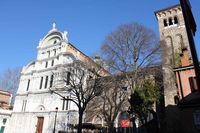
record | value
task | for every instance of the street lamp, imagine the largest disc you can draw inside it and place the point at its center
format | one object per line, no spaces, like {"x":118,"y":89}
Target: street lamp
{"x":54,"y":128}
{"x":68,"y":126}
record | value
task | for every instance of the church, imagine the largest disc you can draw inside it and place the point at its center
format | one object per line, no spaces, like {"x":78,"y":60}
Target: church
{"x":36,"y":108}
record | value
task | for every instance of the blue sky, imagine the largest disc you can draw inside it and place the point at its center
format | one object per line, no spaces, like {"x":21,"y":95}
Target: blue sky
{"x":24,"y":22}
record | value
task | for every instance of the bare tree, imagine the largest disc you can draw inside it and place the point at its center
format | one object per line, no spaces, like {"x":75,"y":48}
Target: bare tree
{"x":111,"y":101}
{"x":9,"y":80}
{"x":80,"y":80}
{"x":131,"y":47}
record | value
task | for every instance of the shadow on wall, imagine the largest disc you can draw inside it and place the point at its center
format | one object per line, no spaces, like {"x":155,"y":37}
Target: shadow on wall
{"x":180,"y":119}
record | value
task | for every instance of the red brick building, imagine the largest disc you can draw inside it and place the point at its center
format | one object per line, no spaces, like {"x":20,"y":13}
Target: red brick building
{"x":185,"y":76}
{"x":5,"y":99}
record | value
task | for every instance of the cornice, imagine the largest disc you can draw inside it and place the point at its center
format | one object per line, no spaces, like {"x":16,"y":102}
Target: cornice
{"x":34,"y":92}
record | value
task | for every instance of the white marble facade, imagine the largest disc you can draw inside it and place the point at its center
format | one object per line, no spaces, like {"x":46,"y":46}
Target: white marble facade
{"x":4,"y":119}
{"x":34,"y":98}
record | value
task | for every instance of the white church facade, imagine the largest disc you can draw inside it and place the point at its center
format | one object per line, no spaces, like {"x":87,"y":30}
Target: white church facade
{"x":35,"y":105}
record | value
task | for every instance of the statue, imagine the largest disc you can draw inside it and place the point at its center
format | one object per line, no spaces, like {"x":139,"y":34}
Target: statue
{"x":54,"y":26}
{"x":65,"y":36}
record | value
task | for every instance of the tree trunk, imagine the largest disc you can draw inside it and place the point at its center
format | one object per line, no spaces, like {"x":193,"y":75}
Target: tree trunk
{"x":80,"y":122}
{"x":111,"y":127}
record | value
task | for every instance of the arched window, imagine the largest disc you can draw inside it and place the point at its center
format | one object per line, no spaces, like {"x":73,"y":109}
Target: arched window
{"x":46,"y":65}
{"x":165,"y":22}
{"x":41,"y":81}
{"x":27,"y":88}
{"x":52,"y":62}
{"x":51,"y":80}
{"x":46,"y":82}
{"x":180,"y":42}
{"x":170,"y":21}
{"x":175,"y":20}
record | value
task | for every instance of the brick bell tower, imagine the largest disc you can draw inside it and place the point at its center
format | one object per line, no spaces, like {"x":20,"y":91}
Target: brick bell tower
{"x":173,"y":39}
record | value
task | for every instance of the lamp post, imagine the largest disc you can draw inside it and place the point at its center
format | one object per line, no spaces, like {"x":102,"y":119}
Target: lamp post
{"x":54,"y":128}
{"x":67,"y":121}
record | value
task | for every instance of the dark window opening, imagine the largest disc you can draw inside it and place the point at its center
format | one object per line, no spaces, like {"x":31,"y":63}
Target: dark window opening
{"x":170,"y":21}
{"x":4,"y":121}
{"x":67,"y":102}
{"x":46,"y":82}
{"x":193,"y":84}
{"x":68,"y":78}
{"x":28,"y":85}
{"x":165,"y":22}
{"x":52,"y":62}
{"x":175,"y":20}
{"x":65,"y":105}
{"x":46,"y":65}
{"x":41,"y":82}
{"x":55,"y":42}
{"x":51,"y":81}
{"x":176,"y":99}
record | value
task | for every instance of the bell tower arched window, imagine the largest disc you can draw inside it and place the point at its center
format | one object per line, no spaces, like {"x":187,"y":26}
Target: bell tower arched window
{"x":170,"y":21}
{"x":165,"y":23}
{"x":175,"y":20}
